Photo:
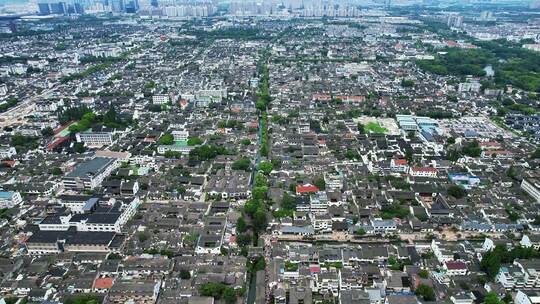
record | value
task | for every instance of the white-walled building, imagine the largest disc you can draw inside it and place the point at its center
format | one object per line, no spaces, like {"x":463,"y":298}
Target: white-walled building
{"x":180,"y":135}
{"x":527,"y":297}
{"x":7,"y":152}
{"x":424,"y":172}
{"x":95,"y":139}
{"x":160,"y":99}
{"x":90,"y":174}
{"x":9,"y":199}
{"x":531,"y":185}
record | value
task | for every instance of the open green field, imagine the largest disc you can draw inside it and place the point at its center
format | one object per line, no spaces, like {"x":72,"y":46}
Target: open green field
{"x":375,"y":127}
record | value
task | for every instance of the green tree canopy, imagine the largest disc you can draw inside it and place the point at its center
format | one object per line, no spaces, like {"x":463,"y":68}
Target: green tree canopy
{"x":193,"y":141}
{"x":457,"y":191}
{"x":426,"y":292}
{"x":265,"y":167}
{"x":166,"y":139}
{"x":242,"y":164}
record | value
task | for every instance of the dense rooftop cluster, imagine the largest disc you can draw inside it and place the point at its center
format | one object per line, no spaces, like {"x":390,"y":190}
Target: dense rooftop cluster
{"x":387,"y":158}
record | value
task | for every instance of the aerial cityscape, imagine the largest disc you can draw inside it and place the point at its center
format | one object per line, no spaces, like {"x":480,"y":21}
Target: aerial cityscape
{"x":269,"y":151}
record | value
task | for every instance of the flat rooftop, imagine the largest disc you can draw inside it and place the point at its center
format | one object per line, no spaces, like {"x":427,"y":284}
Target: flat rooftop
{"x":91,"y":167}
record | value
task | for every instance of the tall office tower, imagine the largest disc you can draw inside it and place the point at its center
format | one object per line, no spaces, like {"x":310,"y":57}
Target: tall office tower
{"x":78,"y":8}
{"x":486,"y":16}
{"x":131,"y":7}
{"x":118,"y":6}
{"x":44,"y":9}
{"x":58,"y":8}
{"x":455,"y":21}
{"x":12,"y":27}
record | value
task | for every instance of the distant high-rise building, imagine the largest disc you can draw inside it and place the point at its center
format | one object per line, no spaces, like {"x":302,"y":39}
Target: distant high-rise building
{"x":44,"y":9}
{"x":12,"y":27}
{"x":132,"y":7}
{"x":486,"y":16}
{"x":79,"y":9}
{"x":455,"y":21}
{"x":118,"y":6}
{"x":58,"y":8}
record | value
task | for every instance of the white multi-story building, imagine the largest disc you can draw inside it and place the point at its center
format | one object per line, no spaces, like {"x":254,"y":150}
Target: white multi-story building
{"x":78,"y":203}
{"x":3,"y":90}
{"x":533,"y":47}
{"x":18,"y":69}
{"x":527,"y":297}
{"x":46,"y":106}
{"x":9,"y":199}
{"x":531,"y":185}
{"x":322,"y":223}
{"x":106,"y":51}
{"x":318,"y":203}
{"x":95,"y":139}
{"x":209,"y":244}
{"x":119,"y":211}
{"x":333,"y":181}
{"x":442,"y":254}
{"x":180,"y":135}
{"x":160,"y":99}
{"x":303,"y":128}
{"x":531,"y":240}
{"x":328,"y":282}
{"x":523,"y":274}
{"x":473,"y":86}
{"x":211,"y":94}
{"x":183,"y":149}
{"x":463,"y":298}
{"x":383,"y":226}
{"x":424,"y":172}
{"x":90,"y":174}
{"x":7,"y":152}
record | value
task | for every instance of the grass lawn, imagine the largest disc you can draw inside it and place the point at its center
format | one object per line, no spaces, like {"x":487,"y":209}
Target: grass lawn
{"x":375,"y":127}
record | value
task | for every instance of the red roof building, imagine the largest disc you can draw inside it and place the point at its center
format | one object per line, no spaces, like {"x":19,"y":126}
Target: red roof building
{"x":424,"y":172}
{"x":306,"y":189}
{"x":10,"y":163}
{"x":399,"y":165}
{"x":496,"y":153}
{"x":455,"y":265}
{"x":322,"y":97}
{"x":489,"y":145}
{"x":103,"y":283}
{"x":455,"y":268}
